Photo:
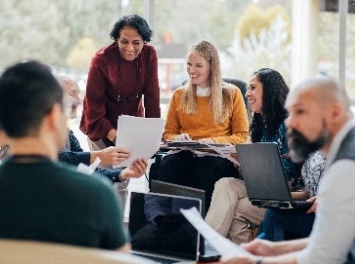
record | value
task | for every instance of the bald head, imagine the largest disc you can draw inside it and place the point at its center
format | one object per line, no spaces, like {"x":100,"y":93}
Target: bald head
{"x":318,"y":108}
{"x":322,"y":90}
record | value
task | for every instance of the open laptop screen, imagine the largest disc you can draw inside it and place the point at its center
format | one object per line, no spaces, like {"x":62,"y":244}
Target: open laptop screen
{"x":157,"y":226}
{"x":179,"y":190}
{"x":263,"y":172}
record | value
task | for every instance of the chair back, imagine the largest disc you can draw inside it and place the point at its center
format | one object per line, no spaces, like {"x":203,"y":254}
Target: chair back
{"x":243,"y":86}
{"x":30,"y":252}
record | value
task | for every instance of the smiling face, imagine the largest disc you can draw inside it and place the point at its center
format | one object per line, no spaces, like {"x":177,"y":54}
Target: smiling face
{"x":255,"y":94}
{"x":199,"y":70}
{"x":130,"y":43}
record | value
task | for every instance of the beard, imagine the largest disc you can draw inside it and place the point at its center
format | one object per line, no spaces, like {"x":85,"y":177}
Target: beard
{"x":301,"y":147}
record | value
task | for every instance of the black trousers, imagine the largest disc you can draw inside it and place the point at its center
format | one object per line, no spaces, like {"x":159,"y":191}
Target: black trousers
{"x":184,"y":168}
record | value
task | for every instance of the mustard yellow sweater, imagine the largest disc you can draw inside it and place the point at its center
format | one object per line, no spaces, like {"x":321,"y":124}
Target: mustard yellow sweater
{"x":201,"y":125}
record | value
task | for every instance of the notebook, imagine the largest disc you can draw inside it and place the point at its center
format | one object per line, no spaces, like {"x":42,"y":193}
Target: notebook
{"x":207,"y":252}
{"x":177,"y":241}
{"x":264,"y":176}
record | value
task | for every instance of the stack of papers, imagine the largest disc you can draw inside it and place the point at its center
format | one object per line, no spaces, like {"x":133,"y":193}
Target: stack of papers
{"x":219,"y":149}
{"x":141,"y":136}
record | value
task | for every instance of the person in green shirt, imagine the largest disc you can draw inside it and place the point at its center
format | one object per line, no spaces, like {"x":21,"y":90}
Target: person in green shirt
{"x":41,"y":199}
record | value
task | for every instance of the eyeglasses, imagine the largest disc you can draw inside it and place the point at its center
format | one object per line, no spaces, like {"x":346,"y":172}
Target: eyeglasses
{"x":128,"y":98}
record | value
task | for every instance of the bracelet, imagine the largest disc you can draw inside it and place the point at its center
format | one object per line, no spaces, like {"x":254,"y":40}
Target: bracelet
{"x":258,"y":261}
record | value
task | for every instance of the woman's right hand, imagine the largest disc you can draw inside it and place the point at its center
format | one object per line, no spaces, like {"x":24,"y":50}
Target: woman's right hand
{"x":313,"y":208}
{"x":183,"y":137}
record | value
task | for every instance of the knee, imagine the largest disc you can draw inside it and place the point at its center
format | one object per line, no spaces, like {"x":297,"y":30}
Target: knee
{"x":223,"y":184}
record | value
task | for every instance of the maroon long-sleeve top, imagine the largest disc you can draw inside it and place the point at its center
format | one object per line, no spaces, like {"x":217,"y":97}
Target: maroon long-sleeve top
{"x":116,"y":86}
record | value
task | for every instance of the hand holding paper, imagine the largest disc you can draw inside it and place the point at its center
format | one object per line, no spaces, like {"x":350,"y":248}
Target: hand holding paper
{"x":141,"y":136}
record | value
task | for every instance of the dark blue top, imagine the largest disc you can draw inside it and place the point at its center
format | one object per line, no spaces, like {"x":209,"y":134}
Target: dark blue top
{"x":76,"y":155}
{"x":292,"y":170}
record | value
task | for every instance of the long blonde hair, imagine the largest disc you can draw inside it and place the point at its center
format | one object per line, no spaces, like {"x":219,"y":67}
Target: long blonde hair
{"x":221,"y":95}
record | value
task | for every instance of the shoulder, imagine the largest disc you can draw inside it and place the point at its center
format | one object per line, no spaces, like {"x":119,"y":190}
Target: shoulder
{"x":149,"y":50}
{"x":231,"y":89}
{"x":317,"y":158}
{"x":179,"y":92}
{"x":72,"y":177}
{"x":314,"y":165}
{"x":283,"y":128}
{"x":339,"y":180}
{"x":105,"y":52}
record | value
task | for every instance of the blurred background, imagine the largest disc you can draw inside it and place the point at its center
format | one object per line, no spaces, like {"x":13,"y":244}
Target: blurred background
{"x":299,"y":38}
{"x":291,"y":36}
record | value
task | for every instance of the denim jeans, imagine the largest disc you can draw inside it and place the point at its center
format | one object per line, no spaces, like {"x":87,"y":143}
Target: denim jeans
{"x":286,"y":224}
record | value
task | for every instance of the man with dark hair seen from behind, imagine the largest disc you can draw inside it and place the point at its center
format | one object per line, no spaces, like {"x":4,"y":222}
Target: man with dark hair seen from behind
{"x":319,"y":118}
{"x":40,"y":199}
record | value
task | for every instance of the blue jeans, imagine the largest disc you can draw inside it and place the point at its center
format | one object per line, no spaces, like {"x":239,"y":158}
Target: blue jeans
{"x":286,"y":224}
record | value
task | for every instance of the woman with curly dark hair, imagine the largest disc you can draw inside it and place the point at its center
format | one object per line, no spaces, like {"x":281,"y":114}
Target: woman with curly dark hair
{"x":231,"y":212}
{"x":272,"y":113}
{"x":119,"y":76}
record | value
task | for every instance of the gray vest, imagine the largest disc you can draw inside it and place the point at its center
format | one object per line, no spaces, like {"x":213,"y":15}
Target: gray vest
{"x":347,"y":151}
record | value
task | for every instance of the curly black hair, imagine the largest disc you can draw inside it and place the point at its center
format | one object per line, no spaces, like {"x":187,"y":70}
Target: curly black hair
{"x":273,"y":111}
{"x":133,"y":21}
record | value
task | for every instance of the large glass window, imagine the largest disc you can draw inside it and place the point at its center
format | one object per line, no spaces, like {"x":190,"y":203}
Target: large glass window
{"x":249,"y":34}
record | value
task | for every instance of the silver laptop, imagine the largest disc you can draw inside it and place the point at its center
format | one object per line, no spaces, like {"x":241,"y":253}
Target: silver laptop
{"x":172,"y":239}
{"x":264,"y":176}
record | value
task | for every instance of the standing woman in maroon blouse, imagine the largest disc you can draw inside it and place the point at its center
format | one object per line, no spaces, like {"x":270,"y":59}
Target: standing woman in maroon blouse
{"x":120,"y":75}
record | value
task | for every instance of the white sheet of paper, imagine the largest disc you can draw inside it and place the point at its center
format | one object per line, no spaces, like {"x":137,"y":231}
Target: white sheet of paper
{"x":88,"y":169}
{"x":141,"y":136}
{"x":225,"y":247}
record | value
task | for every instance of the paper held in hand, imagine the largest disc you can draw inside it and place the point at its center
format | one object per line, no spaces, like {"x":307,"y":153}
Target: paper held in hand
{"x":225,"y":247}
{"x":141,"y":136}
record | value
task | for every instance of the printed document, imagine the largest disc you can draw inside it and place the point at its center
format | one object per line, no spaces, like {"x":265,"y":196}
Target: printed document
{"x":141,"y":136}
{"x":225,"y":247}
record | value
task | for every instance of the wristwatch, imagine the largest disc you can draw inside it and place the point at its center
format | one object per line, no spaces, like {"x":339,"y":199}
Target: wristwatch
{"x":117,"y":178}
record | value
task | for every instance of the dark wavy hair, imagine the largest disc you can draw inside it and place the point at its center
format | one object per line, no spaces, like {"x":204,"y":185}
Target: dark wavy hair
{"x":133,"y":21}
{"x":273,"y":112}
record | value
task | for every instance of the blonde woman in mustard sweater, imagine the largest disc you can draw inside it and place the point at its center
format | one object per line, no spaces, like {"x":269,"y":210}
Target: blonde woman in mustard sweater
{"x":208,"y":110}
